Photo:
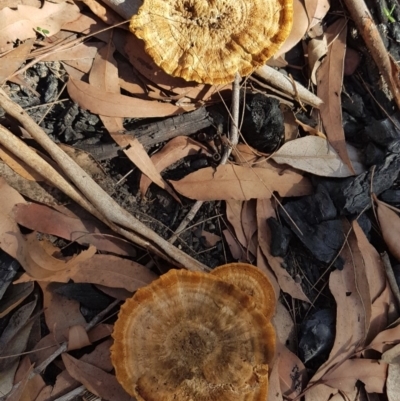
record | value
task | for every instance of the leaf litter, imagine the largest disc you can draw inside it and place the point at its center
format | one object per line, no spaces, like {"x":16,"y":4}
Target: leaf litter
{"x":364,"y":350}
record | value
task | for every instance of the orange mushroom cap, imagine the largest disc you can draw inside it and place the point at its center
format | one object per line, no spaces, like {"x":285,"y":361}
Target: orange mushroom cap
{"x":190,"y":336}
{"x":253,"y":282}
{"x":209,"y":41}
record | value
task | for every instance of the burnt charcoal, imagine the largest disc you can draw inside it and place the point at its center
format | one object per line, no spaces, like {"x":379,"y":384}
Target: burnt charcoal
{"x":316,"y":227}
{"x":351,"y":196}
{"x":86,"y":294}
{"x":374,"y":154}
{"x":353,"y":129}
{"x":386,"y":131}
{"x":317,"y":335}
{"x":263,"y":126}
{"x":354,"y":106}
{"x":51,"y":86}
{"x":394,"y":147}
{"x":391,"y":196}
{"x":280,"y":237}
{"x":365,"y":223}
{"x":8,"y":270}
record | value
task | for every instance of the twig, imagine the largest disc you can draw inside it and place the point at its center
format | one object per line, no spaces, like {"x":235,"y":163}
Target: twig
{"x":72,"y":394}
{"x":386,"y":65}
{"x":99,"y":199}
{"x":233,"y":141}
{"x":285,"y":84}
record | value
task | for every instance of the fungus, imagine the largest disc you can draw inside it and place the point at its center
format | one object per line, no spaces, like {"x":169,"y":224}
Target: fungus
{"x":209,"y":41}
{"x":189,"y":336}
{"x":253,"y":282}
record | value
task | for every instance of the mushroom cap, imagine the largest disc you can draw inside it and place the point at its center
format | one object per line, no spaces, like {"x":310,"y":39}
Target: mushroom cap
{"x":253,"y":282}
{"x":190,"y":336}
{"x":209,"y":41}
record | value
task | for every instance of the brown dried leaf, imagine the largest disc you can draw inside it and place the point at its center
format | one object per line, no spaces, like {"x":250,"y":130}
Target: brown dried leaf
{"x":241,"y":183}
{"x":236,"y":249}
{"x":77,"y":337}
{"x":115,"y":105}
{"x":83,"y":51}
{"x":316,"y":10}
{"x":97,"y":381}
{"x":390,"y":227}
{"x":299,"y":29}
{"x":330,"y":79}
{"x":138,"y":155}
{"x":22,"y":23}
{"x":10,"y":62}
{"x":249,"y":223}
{"x":211,"y":239}
{"x":350,"y":327}
{"x":385,"y":339}
{"x":233,"y":214}
{"x":104,"y":76}
{"x":292,"y":373}
{"x":36,"y":257}
{"x":60,"y":312}
{"x":370,"y":371}
{"x":284,"y":326}
{"x":286,"y":282}
{"x":84,"y":231}
{"x":31,"y":387}
{"x":107,"y":270}
{"x":174,"y":150}
{"x":376,"y":277}
{"x":315,"y":155}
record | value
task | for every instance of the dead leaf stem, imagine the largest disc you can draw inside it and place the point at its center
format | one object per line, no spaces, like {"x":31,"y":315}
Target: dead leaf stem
{"x":98,"y":198}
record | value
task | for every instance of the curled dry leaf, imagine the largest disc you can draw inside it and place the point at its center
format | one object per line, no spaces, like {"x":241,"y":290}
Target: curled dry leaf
{"x":84,"y":231}
{"x":11,"y":61}
{"x":97,"y":381}
{"x":25,"y":21}
{"x":77,"y":337}
{"x":115,"y":105}
{"x":174,"y":150}
{"x":107,"y":270}
{"x":316,"y":10}
{"x":241,"y":183}
{"x":299,"y":29}
{"x":315,"y":155}
{"x":370,"y":371}
{"x":233,"y":214}
{"x":330,"y":80}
